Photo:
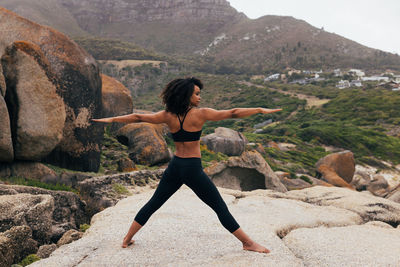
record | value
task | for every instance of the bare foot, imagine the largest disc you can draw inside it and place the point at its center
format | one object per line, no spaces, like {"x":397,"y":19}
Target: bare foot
{"x":127,"y":243}
{"x":253,"y":246}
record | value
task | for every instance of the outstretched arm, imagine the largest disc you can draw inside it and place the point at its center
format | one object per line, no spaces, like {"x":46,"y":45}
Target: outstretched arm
{"x":217,"y":115}
{"x":156,"y":118}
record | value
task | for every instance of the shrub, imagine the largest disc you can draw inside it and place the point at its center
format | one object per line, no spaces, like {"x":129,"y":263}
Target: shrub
{"x":29,"y":260}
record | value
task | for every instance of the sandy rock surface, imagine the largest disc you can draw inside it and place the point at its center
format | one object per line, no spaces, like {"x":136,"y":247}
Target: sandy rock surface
{"x":185,"y":232}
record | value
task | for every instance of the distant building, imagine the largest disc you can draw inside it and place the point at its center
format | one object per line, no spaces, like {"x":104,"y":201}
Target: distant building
{"x":356,"y":72}
{"x":396,"y":78}
{"x":272,"y":77}
{"x":337,"y":72}
{"x":301,"y":82}
{"x":375,"y":78}
{"x":342,"y":84}
{"x":356,"y":83}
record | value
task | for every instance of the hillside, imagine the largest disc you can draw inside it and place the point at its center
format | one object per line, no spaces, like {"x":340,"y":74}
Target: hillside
{"x":217,"y":37}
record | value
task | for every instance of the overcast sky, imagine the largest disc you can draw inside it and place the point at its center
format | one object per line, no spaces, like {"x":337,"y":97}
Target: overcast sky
{"x":373,"y":23}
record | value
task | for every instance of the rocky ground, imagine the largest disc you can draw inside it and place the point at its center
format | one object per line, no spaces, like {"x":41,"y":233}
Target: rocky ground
{"x":318,"y":226}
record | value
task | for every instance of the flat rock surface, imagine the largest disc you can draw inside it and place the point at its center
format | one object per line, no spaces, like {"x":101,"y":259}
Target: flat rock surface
{"x":186,"y":232}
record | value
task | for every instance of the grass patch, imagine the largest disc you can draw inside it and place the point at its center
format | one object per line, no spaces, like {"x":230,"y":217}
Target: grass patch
{"x":120,"y":189}
{"x":29,"y":260}
{"x":84,"y":227}
{"x":36,"y":183}
{"x":208,"y":156}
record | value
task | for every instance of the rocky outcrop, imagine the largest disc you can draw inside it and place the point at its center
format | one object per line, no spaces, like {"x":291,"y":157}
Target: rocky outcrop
{"x":37,"y":112}
{"x":330,"y":176}
{"x":349,"y":245}
{"x":6,"y":147}
{"x":342,"y":163}
{"x":98,"y":192}
{"x":225,"y":140}
{"x":49,"y":213}
{"x":367,"y":206}
{"x":69,"y":237}
{"x":248,"y":172}
{"x":146,"y":143}
{"x":25,"y":209}
{"x":312,"y":231}
{"x":31,"y":170}
{"x":116,"y":99}
{"x":378,"y":186}
{"x":45,"y":250}
{"x":48,"y":62}
{"x":394,"y":195}
{"x":15,"y":244}
{"x":90,"y":14}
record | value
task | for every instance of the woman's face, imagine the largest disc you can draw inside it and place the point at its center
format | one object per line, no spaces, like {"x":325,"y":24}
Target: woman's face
{"x":195,"y":98}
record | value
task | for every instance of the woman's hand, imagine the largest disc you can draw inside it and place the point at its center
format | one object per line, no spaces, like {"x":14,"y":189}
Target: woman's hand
{"x":107,"y":120}
{"x":267,"y":110}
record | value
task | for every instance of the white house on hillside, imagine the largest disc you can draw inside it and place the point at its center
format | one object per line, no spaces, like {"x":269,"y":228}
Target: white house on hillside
{"x":356,"y":83}
{"x":375,"y":78}
{"x":272,"y":77}
{"x":342,"y":84}
{"x":356,"y":72}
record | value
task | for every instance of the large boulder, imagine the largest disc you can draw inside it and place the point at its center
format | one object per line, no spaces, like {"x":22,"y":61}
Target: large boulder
{"x":367,"y":206}
{"x":116,"y":98}
{"x":6,"y":146}
{"x":342,"y":163}
{"x":324,"y":226}
{"x":61,"y":210}
{"x":330,"y":176}
{"x":394,"y":195}
{"x":37,"y":112}
{"x":70,"y":236}
{"x":248,"y":172}
{"x":378,"y":186}
{"x":2,"y":82}
{"x":25,"y":209}
{"x":146,"y":143}
{"x":71,"y":72}
{"x":226,"y":141}
{"x":98,"y":192}
{"x":26,"y":169}
{"x":356,"y":245}
{"x":16,"y":244}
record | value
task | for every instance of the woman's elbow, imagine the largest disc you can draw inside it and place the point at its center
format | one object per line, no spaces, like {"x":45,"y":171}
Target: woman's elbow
{"x":234,"y":113}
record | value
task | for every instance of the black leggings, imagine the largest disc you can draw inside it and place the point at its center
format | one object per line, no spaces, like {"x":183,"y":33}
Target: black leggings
{"x":190,"y":172}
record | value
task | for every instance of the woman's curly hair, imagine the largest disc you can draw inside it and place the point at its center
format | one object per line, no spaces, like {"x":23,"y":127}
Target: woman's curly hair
{"x":176,"y":95}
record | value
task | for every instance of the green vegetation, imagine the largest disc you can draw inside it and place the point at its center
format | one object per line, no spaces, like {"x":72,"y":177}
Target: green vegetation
{"x":36,"y":183}
{"x":111,"y":49}
{"x":84,"y":227}
{"x":29,"y":260}
{"x":120,"y":189}
{"x":208,"y":156}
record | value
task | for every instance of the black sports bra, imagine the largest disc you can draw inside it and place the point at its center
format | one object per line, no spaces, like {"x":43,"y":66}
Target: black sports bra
{"x":185,"y":136}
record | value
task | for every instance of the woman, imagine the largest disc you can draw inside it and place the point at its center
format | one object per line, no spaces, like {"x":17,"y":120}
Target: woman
{"x":185,"y":121}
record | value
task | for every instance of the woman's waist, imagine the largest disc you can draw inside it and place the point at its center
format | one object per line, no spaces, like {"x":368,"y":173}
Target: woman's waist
{"x":186,"y":161}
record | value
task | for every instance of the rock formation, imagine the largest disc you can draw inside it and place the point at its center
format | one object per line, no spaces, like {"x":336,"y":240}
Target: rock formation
{"x":116,"y":98}
{"x":225,"y":140}
{"x":146,"y":143}
{"x":341,"y":163}
{"x":337,"y":168}
{"x":37,"y":112}
{"x":248,"y":172}
{"x":317,"y":226}
{"x":64,"y":94}
{"x":15,"y":244}
{"x":48,"y":213}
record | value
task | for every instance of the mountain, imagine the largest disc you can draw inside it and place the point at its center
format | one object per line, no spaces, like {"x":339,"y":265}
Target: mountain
{"x":210,"y":31}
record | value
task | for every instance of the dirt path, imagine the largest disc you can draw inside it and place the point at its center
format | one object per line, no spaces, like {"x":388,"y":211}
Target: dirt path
{"x":312,"y":101}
